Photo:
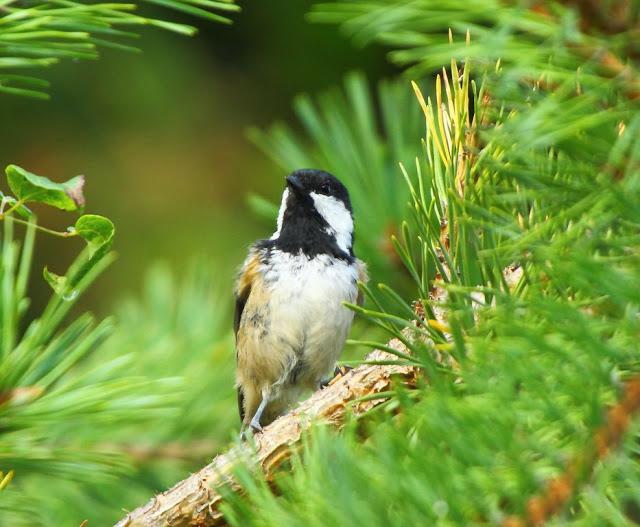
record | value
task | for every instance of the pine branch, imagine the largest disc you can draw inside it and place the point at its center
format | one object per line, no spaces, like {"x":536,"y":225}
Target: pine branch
{"x":195,"y":500}
{"x":41,"y":34}
{"x":561,"y":490}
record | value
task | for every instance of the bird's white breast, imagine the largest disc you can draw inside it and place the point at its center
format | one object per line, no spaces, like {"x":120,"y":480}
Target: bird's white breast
{"x":306,"y":298}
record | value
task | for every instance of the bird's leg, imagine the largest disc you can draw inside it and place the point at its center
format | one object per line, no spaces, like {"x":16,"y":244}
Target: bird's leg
{"x":255,"y":420}
{"x":339,"y":370}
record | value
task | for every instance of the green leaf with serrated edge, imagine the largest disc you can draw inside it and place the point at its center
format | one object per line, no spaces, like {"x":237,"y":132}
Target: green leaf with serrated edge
{"x":29,"y":187}
{"x":96,"y":230}
{"x":57,"y":283}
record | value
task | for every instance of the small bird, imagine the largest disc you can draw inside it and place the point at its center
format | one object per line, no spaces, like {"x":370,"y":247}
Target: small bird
{"x":290,"y":321}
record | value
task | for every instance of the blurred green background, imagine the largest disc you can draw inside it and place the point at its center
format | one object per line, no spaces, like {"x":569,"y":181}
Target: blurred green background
{"x":161,"y":137}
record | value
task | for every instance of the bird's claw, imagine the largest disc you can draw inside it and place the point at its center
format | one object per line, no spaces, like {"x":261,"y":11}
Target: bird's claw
{"x":255,"y":426}
{"x":338,"y":371}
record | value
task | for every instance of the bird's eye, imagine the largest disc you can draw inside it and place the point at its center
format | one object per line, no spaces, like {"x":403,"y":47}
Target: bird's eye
{"x":325,"y":188}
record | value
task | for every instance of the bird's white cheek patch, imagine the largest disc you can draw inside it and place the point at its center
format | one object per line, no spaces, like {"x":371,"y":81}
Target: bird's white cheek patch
{"x":337,"y":216}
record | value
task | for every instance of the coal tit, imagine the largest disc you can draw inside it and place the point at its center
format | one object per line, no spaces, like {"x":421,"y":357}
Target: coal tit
{"x":290,"y":321}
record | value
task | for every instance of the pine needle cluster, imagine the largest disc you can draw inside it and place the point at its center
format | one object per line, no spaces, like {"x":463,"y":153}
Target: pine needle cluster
{"x":529,"y":168}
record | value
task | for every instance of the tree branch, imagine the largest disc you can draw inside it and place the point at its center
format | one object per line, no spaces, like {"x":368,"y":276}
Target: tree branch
{"x":195,"y":501}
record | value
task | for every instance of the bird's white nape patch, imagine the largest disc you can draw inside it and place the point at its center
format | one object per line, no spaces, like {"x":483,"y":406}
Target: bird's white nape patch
{"x":283,"y":206}
{"x":338,"y":217}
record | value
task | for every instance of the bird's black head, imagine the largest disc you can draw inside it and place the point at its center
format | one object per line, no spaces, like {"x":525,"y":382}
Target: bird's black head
{"x":306,"y":182}
{"x":315,"y":215}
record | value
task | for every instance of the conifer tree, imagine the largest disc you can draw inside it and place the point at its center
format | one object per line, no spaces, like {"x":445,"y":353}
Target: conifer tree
{"x":528,"y":410}
{"x":509,"y":286}
{"x":521,"y":237}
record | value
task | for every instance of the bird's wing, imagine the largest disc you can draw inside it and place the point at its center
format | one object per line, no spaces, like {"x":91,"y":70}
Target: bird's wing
{"x":363,"y":277}
{"x":246,"y":276}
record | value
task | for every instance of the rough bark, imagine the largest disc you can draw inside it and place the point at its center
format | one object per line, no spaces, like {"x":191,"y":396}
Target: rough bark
{"x":195,"y":501}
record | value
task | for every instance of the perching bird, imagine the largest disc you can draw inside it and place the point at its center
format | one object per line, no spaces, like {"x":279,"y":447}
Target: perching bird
{"x":290,"y":320}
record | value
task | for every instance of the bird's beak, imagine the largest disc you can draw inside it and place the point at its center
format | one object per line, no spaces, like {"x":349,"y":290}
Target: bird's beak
{"x":294,"y":183}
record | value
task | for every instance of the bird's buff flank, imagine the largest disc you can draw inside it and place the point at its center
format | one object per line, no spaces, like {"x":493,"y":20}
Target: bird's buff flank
{"x":290,"y":321}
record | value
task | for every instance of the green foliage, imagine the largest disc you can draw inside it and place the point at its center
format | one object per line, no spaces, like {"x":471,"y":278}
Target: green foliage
{"x":177,"y":330}
{"x":162,"y":429}
{"x":48,"y":391}
{"x":345,"y":136}
{"x":29,"y":188}
{"x":531,"y":158}
{"x":39,"y":34}
{"x":96,"y":230}
{"x":541,"y":170}
{"x":183,"y":325}
{"x":76,"y":401}
{"x":549,"y":41}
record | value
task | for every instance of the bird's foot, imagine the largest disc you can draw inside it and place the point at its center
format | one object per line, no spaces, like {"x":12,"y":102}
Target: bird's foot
{"x":340,"y":371}
{"x":254,"y":428}
{"x":255,"y":425}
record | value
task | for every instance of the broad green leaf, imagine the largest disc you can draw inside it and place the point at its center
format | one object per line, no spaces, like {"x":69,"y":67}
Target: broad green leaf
{"x":30,"y":187}
{"x":57,"y":283}
{"x":96,"y":230}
